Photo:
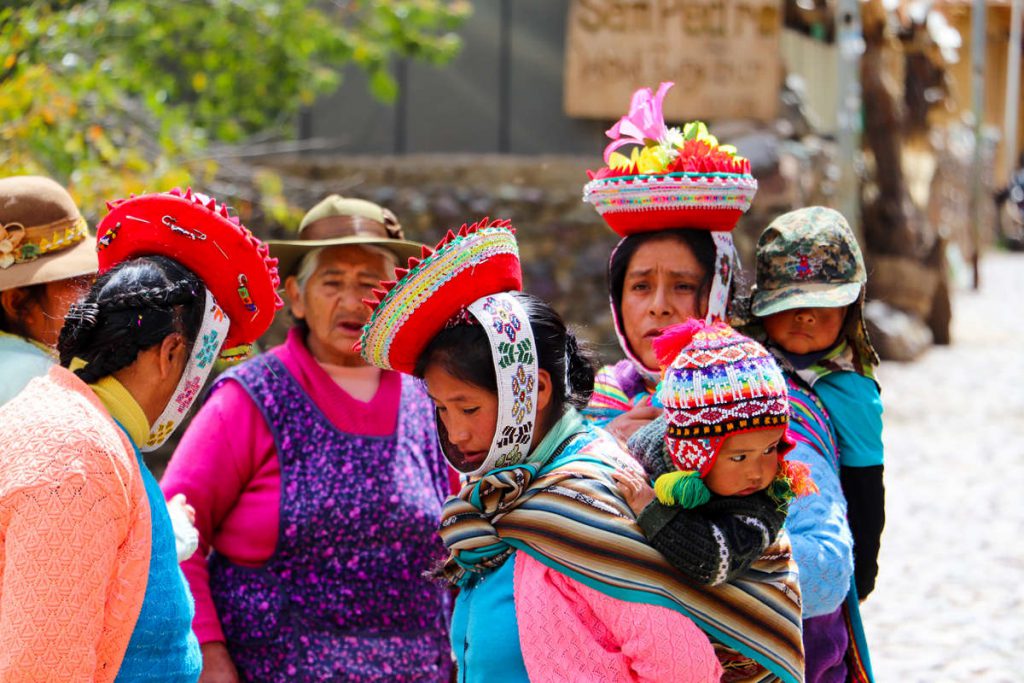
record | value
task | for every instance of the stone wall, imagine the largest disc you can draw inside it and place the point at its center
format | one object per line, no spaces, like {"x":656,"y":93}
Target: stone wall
{"x":563,"y":242}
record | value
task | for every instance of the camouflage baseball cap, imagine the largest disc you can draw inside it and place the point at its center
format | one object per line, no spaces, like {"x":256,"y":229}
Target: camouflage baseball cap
{"x":808,"y":258}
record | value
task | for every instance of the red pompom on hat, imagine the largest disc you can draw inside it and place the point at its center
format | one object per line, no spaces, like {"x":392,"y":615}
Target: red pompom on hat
{"x":201,"y":235}
{"x":481,"y":259}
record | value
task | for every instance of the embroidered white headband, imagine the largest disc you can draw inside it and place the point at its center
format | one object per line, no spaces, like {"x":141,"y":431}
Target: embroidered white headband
{"x":514,"y":353}
{"x":212,"y":333}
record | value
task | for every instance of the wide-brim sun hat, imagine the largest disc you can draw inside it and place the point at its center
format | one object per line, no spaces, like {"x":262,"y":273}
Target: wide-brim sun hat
{"x":435,"y":285}
{"x":238,"y":277}
{"x":470,"y":278}
{"x":338,"y":221}
{"x":43,"y":237}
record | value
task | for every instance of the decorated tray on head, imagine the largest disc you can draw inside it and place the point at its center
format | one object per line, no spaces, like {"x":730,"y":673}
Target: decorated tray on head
{"x":672,"y":178}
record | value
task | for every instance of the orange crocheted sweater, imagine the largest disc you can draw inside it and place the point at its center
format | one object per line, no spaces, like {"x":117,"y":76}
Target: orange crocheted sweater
{"x":75,"y":535}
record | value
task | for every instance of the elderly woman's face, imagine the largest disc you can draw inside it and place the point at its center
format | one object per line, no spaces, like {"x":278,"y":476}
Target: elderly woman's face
{"x":661,"y":288}
{"x":331,"y":303}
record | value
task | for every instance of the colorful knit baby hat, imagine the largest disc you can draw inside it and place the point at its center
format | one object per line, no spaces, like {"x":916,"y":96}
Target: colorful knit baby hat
{"x":716,"y":383}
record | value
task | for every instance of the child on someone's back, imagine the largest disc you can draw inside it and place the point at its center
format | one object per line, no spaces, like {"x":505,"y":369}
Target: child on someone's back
{"x":809,"y":299}
{"x":716,"y":456}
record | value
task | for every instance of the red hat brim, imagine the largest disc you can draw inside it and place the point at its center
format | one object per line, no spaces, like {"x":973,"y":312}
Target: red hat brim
{"x":626,"y":223}
{"x":482,"y":259}
{"x":501,"y":273}
{"x":200,"y":235}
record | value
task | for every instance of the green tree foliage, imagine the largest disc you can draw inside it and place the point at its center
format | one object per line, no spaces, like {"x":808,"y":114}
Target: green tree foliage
{"x":116,"y":96}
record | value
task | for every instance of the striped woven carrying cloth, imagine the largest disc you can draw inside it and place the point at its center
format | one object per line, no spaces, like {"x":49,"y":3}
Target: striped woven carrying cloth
{"x":570,"y":518}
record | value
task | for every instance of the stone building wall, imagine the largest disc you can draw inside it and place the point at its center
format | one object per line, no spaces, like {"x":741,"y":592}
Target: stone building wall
{"x":564,"y":244}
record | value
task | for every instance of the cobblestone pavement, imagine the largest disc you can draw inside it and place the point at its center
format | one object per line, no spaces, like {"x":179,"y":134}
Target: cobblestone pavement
{"x":949,"y":603}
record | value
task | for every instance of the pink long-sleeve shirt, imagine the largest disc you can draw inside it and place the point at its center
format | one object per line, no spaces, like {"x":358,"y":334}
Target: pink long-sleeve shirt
{"x":226,"y":465}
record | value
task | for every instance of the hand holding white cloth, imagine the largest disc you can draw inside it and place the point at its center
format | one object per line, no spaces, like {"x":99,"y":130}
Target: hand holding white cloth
{"x":183,"y":517}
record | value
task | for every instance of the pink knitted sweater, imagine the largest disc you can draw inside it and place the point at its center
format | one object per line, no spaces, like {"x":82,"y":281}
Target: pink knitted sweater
{"x":75,"y":527}
{"x":571,"y":632}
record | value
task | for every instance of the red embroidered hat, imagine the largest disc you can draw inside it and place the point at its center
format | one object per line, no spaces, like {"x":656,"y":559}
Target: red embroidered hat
{"x":199,"y":233}
{"x":480,"y":260}
{"x":674,"y":178}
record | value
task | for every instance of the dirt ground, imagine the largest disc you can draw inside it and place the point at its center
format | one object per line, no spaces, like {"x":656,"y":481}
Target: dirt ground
{"x":949,"y":603}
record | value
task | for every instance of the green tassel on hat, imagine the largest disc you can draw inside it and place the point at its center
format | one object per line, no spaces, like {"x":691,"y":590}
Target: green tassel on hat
{"x":685,"y":489}
{"x":781,"y":490}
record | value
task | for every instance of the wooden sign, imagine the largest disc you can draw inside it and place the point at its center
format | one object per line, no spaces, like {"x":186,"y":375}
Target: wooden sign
{"x":723,"y":56}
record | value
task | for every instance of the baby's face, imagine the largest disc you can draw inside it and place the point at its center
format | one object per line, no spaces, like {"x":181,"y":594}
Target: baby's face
{"x":805,"y":330}
{"x":747,"y":463}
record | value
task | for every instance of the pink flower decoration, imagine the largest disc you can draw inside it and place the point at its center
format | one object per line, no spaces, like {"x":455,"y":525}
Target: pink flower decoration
{"x":645,"y":120}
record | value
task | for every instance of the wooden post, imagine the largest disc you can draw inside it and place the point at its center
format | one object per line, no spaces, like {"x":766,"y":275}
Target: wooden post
{"x":1012,"y":110}
{"x":978,"y":28}
{"x":850,"y":42}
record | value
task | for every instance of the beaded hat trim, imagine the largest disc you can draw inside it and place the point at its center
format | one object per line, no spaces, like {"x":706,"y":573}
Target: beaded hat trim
{"x":19,"y":244}
{"x":691,"y":200}
{"x":213,"y":331}
{"x":482,"y":258}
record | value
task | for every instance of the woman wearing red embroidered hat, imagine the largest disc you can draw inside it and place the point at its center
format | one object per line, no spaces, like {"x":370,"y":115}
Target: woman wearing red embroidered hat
{"x":91,"y":589}
{"x":674,"y":201}
{"x":556,"y":580}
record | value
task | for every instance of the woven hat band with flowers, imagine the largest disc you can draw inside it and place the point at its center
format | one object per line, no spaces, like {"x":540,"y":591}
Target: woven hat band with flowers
{"x":673,"y":178}
{"x":716,"y":383}
{"x":239,"y":278}
{"x":43,"y":237}
{"x":466,"y":279}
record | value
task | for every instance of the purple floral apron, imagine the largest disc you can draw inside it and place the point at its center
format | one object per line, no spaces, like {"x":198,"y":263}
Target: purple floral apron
{"x":343,"y":597}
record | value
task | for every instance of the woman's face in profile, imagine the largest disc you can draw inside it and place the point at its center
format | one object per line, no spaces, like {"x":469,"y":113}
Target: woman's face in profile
{"x":41,"y":317}
{"x":661,"y":287}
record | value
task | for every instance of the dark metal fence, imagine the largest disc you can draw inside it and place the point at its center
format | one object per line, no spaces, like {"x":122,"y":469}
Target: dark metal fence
{"x":502,"y":94}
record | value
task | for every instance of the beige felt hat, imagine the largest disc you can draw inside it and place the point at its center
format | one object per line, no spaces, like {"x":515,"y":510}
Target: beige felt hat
{"x":43,"y":237}
{"x":339,"y":221}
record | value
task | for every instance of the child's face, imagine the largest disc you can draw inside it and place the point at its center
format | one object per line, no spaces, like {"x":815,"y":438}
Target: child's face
{"x":746,"y":464}
{"x":805,"y":330}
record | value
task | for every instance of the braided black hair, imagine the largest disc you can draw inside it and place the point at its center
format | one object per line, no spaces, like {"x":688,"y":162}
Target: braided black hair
{"x":129,"y":309}
{"x":464,"y":351}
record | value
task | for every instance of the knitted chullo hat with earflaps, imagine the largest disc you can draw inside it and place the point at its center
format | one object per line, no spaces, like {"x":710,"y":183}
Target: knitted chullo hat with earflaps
{"x":717,"y":383}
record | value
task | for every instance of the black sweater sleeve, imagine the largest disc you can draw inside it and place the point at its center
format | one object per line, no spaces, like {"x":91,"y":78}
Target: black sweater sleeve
{"x":717,"y":541}
{"x":865,"y":501}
